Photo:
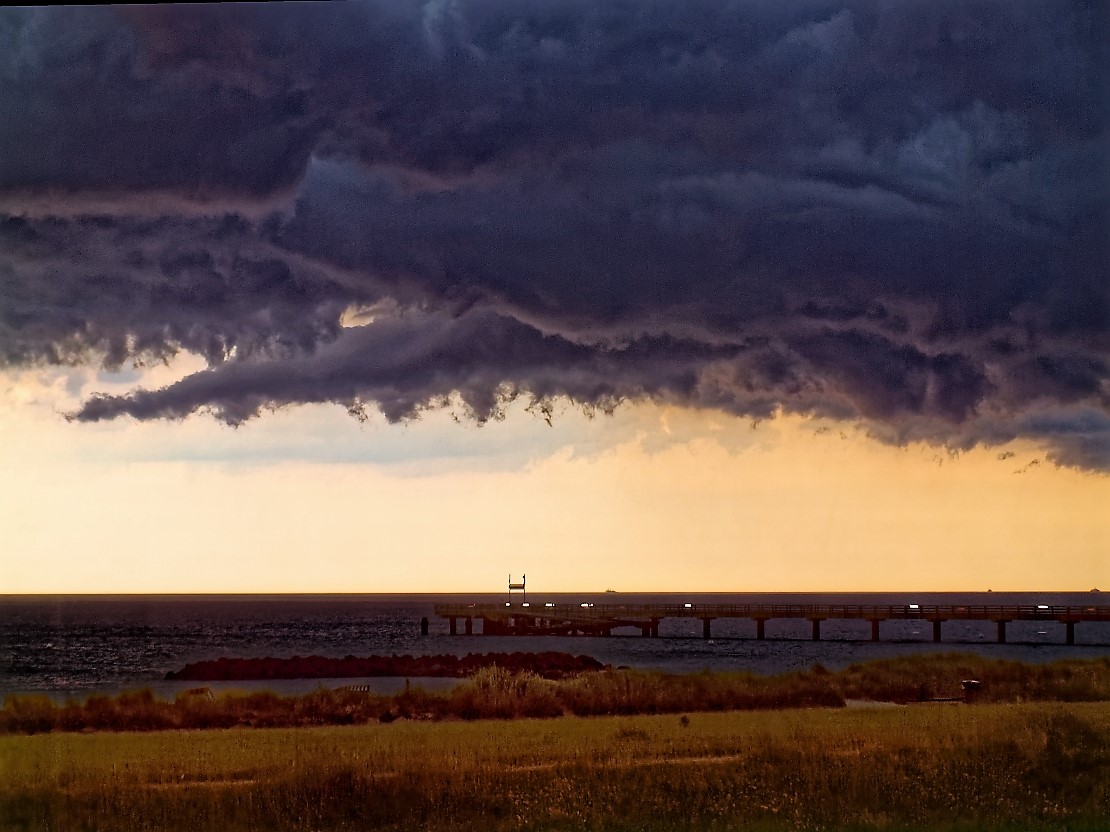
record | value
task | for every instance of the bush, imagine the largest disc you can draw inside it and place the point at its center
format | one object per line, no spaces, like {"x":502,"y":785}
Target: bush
{"x":499,"y":693}
{"x":28,"y":715}
{"x":494,"y":692}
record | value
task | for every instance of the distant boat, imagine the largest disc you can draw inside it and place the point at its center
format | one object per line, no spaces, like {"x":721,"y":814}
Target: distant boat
{"x":1095,"y":590}
{"x":610,"y":592}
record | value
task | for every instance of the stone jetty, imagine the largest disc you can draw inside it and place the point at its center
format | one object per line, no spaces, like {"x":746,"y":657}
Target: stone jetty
{"x":549,"y":665}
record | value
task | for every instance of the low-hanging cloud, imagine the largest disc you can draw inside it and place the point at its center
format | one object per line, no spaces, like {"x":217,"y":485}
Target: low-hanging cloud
{"x":894,"y":214}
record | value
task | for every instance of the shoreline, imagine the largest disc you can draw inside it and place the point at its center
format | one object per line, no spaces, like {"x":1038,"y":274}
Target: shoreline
{"x":499,"y":693}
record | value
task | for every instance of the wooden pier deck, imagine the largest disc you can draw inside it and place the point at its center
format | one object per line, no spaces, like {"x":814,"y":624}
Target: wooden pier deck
{"x":601,"y":619}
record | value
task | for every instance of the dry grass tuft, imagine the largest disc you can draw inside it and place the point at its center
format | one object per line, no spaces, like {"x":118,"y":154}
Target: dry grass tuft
{"x":497,"y":693}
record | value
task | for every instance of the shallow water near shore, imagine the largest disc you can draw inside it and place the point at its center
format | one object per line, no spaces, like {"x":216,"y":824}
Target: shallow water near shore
{"x":72,"y":646}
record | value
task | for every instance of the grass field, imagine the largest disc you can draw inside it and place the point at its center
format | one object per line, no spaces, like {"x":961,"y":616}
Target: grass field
{"x":1043,"y":766}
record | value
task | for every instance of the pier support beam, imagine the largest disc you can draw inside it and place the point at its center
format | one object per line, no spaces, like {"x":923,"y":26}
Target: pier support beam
{"x":424,"y":626}
{"x":562,"y":620}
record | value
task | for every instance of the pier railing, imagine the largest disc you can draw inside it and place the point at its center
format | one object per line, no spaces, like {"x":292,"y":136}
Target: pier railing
{"x":586,"y":618}
{"x":973,"y":612}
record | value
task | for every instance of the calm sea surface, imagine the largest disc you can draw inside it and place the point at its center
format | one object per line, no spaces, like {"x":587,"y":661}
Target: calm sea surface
{"x":77,"y":645}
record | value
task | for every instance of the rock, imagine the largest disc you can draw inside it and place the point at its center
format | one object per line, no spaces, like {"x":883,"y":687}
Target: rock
{"x":549,"y":665}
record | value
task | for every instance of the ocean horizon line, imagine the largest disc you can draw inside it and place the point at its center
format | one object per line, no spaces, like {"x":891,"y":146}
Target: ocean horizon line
{"x":502,"y":593}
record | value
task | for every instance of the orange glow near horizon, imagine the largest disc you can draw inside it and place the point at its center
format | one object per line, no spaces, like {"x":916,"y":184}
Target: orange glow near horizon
{"x":693,"y":502}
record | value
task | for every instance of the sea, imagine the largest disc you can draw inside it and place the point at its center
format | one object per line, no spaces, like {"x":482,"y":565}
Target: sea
{"x":74,"y":646}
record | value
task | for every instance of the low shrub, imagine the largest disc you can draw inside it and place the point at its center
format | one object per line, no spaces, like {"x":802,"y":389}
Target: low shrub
{"x":499,"y":693}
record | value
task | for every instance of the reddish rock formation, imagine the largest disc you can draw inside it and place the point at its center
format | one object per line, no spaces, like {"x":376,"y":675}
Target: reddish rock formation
{"x":549,"y":665}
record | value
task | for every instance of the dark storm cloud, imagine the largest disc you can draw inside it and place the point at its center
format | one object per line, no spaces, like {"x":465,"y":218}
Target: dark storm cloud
{"x":402,"y":363}
{"x":887,"y":212}
{"x":119,"y":289}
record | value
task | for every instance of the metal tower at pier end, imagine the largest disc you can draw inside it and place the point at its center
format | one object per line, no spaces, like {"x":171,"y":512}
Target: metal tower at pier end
{"x":518,"y":588}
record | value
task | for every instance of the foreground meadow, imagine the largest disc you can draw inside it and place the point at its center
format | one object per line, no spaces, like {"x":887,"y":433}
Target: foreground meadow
{"x":1042,"y":766}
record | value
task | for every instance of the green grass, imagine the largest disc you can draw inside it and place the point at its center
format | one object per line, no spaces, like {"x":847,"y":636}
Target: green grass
{"x":945,"y":767}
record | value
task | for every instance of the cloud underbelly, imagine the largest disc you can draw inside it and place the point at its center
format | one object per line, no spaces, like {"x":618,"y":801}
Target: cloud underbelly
{"x":894,"y":216}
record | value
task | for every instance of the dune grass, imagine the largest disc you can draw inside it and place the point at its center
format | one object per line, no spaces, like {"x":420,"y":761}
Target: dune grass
{"x":917,"y":678}
{"x":496,"y":693}
{"x":1043,"y":766}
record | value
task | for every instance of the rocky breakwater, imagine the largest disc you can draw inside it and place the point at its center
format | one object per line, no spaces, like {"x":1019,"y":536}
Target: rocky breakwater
{"x":549,"y":665}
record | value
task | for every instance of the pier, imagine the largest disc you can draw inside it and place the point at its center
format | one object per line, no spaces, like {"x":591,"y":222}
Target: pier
{"x":535,"y":619}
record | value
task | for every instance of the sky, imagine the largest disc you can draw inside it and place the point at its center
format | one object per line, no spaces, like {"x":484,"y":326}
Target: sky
{"x":699,"y":296}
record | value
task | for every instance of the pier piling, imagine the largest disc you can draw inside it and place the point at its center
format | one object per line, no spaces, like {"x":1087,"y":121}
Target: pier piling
{"x":602,"y":619}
